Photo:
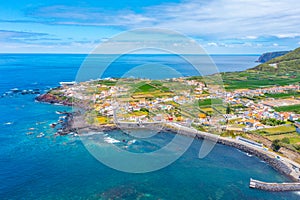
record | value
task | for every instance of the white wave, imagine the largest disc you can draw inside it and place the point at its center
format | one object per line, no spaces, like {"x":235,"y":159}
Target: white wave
{"x":91,"y":134}
{"x":297,"y":193}
{"x":131,"y":142}
{"x":40,"y":135}
{"x":111,"y":140}
{"x":8,"y":123}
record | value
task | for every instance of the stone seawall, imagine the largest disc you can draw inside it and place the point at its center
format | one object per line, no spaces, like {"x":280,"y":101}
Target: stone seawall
{"x":260,"y":153}
{"x":275,"y":163}
{"x":274,"y":187}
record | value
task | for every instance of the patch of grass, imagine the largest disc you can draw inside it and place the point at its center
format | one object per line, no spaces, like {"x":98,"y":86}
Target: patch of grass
{"x":283,"y":95}
{"x":146,"y":88}
{"x":101,"y":120}
{"x":277,"y":130}
{"x":56,"y":92}
{"x":139,"y":113}
{"x":106,"y":82}
{"x":252,"y":79}
{"x":207,"y":109}
{"x":209,"y":102}
{"x":292,"y":108}
{"x":295,"y":139}
{"x":233,"y":134}
{"x":289,"y":140}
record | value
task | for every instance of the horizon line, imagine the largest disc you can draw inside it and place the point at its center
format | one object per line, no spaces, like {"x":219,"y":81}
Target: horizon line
{"x":61,"y":53}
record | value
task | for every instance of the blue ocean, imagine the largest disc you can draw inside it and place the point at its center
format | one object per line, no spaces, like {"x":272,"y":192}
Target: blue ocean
{"x":36,"y":164}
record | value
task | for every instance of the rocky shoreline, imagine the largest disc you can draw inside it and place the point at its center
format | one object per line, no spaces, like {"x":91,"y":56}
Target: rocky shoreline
{"x":52,"y":99}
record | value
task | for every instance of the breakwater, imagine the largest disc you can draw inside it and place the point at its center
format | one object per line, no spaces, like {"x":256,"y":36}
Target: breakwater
{"x":284,"y":166}
{"x":274,"y":187}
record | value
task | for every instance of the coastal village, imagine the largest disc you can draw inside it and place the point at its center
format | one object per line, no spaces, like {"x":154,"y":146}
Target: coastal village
{"x":270,"y":112}
{"x":266,"y":119}
{"x":242,"y":109}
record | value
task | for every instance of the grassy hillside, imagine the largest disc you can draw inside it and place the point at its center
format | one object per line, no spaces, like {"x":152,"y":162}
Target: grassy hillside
{"x":289,"y":63}
{"x":293,"y":55}
{"x":282,"y":70}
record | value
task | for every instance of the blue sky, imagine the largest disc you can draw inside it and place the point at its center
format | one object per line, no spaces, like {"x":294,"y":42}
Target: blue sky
{"x":220,"y":26}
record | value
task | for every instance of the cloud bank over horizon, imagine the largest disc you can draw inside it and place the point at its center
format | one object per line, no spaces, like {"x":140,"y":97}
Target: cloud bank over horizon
{"x":220,"y":26}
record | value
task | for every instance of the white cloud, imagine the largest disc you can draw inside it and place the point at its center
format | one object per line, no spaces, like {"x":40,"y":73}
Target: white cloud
{"x":287,"y":35}
{"x":248,"y":19}
{"x":250,"y":37}
{"x":244,"y":19}
{"x":86,"y":16}
{"x":217,"y":24}
{"x":212,"y":44}
{"x":231,"y":18}
{"x":247,"y":44}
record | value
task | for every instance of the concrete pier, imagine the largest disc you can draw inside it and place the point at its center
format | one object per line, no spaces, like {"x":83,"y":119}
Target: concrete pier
{"x":275,"y":187}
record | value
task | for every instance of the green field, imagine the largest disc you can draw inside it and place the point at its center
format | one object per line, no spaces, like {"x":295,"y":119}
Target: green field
{"x":286,"y":71}
{"x":209,"y":102}
{"x":290,"y":140}
{"x":283,"y":95}
{"x":106,"y":82}
{"x":292,"y":108}
{"x":146,"y":88}
{"x":253,"y":79}
{"x":287,"y":136}
{"x":277,"y":130}
{"x":294,"y":138}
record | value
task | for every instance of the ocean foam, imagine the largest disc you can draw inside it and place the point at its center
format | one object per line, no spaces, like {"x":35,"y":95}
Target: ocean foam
{"x":131,"y":142}
{"x":91,"y":134}
{"x":111,"y":140}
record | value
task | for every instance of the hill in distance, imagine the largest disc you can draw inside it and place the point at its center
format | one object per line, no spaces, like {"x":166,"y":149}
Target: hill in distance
{"x":282,"y":70}
{"x":288,"y":63}
{"x":270,"y":55}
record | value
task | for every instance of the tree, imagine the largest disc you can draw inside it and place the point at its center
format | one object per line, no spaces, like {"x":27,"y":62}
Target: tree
{"x":144,"y":110}
{"x":276,"y":145}
{"x":285,"y":140}
{"x":228,"y":109}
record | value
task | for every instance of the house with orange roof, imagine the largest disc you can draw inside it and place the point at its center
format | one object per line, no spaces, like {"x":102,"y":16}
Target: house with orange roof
{"x":202,"y":115}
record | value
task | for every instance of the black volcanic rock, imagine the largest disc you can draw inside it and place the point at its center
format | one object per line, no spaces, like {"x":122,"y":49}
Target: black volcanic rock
{"x":50,"y":98}
{"x":270,"y":55}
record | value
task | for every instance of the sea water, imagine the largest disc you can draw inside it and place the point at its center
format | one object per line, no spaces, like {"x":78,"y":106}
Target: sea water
{"x":36,"y":164}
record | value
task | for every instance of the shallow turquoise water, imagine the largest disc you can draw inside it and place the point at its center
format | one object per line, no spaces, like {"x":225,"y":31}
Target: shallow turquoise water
{"x":61,"y":168}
